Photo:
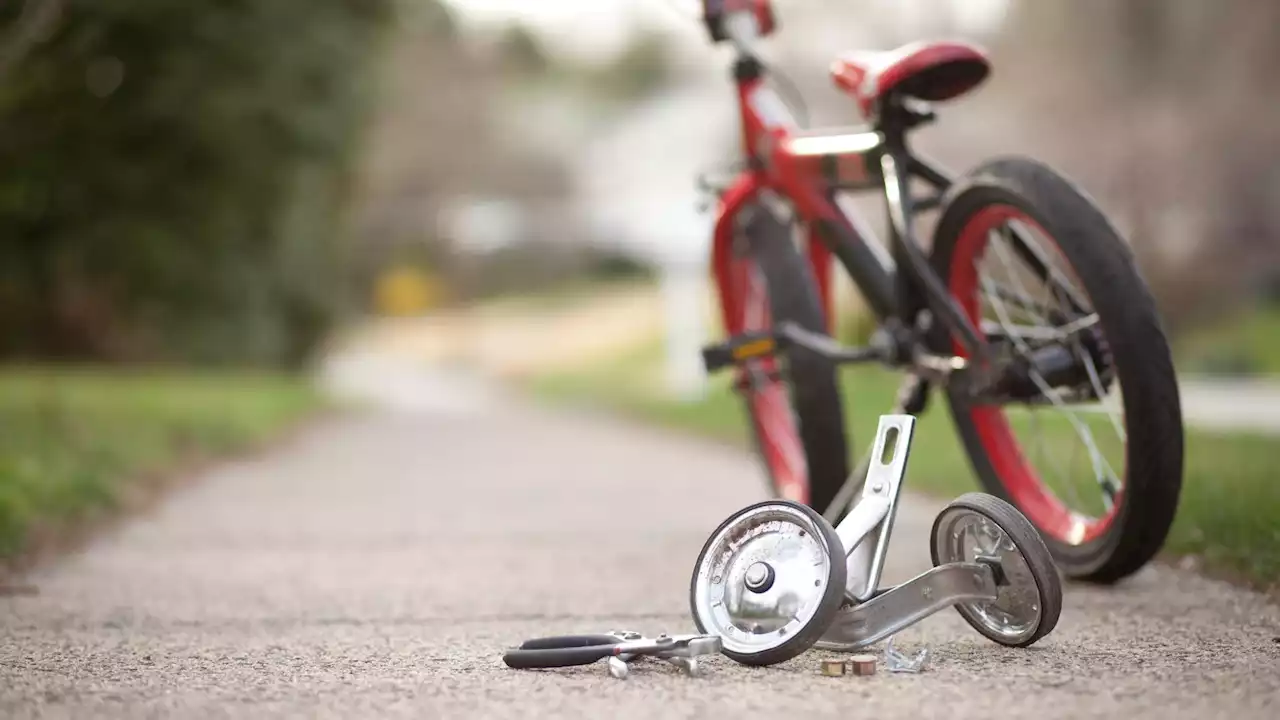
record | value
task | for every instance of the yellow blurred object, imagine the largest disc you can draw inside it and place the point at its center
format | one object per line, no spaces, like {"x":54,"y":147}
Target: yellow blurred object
{"x":406,"y":291}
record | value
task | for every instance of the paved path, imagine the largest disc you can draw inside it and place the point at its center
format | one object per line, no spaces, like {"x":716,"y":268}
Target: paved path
{"x":377,"y":566}
{"x":510,"y":341}
{"x":1233,"y":404}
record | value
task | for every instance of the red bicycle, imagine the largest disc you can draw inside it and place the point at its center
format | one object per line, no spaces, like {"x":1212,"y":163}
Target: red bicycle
{"x":1026,"y":309}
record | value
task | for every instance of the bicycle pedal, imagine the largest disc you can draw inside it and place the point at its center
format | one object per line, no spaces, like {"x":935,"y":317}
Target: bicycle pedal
{"x":740,"y":348}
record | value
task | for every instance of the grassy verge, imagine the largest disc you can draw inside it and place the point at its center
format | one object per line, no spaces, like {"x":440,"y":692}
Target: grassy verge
{"x":77,"y":445}
{"x":1245,"y":344}
{"x":1228,"y":516}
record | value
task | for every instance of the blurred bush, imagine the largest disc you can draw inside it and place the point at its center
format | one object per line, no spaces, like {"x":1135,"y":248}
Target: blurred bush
{"x":173,"y":177}
{"x":606,"y":264}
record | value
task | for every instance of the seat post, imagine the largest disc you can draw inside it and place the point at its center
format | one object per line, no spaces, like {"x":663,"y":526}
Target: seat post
{"x":891,"y":122}
{"x":896,"y":114}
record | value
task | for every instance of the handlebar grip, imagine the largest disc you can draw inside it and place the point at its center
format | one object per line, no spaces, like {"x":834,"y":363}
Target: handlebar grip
{"x":556,"y":657}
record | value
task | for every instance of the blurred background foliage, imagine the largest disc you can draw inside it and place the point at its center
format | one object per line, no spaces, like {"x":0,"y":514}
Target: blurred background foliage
{"x":225,"y":183}
{"x":173,"y":176}
{"x":1183,"y":140}
{"x":177,"y":179}
{"x":234,"y":183}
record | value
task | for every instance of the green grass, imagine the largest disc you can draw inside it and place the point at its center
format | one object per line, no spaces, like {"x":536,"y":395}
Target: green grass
{"x":76,"y":444}
{"x":560,"y":296}
{"x":1229,"y":515}
{"x":1246,"y":344}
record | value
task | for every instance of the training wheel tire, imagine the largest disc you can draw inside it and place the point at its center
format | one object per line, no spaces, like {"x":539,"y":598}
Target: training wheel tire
{"x":769,"y":582}
{"x":1028,"y":606}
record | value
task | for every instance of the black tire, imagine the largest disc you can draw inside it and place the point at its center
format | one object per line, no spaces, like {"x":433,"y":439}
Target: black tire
{"x":811,"y":379}
{"x":1138,"y":349}
{"x":1034,"y":551}
{"x":828,"y":606}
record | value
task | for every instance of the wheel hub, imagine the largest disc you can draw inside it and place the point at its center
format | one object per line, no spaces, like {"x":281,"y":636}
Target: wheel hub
{"x":967,"y":536}
{"x":761,"y":579}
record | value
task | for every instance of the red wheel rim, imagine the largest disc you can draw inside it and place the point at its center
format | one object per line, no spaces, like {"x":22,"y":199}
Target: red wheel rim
{"x":1020,"y":479}
{"x":771,"y":413}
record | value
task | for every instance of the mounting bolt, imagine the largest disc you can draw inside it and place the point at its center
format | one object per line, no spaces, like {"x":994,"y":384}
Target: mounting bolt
{"x":759,"y":577}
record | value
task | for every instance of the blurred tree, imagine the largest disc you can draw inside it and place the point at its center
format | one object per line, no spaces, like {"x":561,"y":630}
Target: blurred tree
{"x":643,"y":66}
{"x":450,"y":133}
{"x":1182,"y":134}
{"x":173,"y":175}
{"x":521,"y":53}
{"x":26,"y":25}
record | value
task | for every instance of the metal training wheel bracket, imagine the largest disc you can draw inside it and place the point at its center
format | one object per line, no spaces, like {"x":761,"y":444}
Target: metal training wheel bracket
{"x":776,"y":578}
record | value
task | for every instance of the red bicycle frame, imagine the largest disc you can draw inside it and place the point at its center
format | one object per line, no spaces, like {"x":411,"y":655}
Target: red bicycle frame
{"x":807,"y":168}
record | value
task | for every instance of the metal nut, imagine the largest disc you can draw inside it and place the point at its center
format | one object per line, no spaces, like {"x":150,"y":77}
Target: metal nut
{"x":863,"y":664}
{"x":833,"y":668}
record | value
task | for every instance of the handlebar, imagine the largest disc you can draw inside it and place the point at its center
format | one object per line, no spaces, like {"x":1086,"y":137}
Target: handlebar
{"x":741,"y":22}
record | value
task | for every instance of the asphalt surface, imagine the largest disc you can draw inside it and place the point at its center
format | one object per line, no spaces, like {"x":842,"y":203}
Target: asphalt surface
{"x":378,"y":565}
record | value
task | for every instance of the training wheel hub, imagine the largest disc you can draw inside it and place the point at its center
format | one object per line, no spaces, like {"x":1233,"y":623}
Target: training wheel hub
{"x":761,"y":578}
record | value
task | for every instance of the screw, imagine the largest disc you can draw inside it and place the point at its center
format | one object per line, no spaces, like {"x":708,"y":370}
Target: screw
{"x":877,"y":486}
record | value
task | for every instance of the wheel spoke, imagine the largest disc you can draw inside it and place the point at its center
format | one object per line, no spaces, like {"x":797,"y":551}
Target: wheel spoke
{"x":1055,"y":279}
{"x":1102,"y":470}
{"x":1095,"y":381}
{"x":1061,"y":333}
{"x":1015,"y":298}
{"x":1103,"y":473}
{"x":1044,"y":448}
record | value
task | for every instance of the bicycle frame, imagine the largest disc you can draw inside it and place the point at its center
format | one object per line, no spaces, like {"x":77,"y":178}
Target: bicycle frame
{"x":809,"y":168}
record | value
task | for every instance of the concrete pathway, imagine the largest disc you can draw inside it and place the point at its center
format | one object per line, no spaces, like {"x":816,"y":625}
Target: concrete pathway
{"x":508,"y":341}
{"x":1251,"y":405}
{"x":379,"y":565}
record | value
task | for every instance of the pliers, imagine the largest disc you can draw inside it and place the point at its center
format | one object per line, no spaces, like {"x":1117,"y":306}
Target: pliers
{"x":618,"y":646}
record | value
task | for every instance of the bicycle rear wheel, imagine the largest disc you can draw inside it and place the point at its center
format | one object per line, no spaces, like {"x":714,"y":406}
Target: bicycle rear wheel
{"x":793,"y":401}
{"x":1091,"y":453}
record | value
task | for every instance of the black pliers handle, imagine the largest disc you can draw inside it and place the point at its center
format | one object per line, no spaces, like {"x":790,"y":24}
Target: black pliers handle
{"x":563,"y":651}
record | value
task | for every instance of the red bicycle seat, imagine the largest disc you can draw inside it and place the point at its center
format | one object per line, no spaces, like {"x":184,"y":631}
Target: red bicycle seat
{"x":933,"y":71}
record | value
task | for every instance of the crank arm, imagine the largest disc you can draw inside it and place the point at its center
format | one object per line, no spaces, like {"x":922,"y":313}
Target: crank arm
{"x":864,"y":557}
{"x":793,"y":334}
{"x":907,"y":604}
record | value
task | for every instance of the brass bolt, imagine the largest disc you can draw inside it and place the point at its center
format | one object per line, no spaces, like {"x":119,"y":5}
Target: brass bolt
{"x":833,"y":668}
{"x":863,"y":664}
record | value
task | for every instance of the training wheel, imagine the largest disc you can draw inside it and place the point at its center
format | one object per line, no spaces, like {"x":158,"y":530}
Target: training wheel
{"x":984,"y":528}
{"x":769,"y":582}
